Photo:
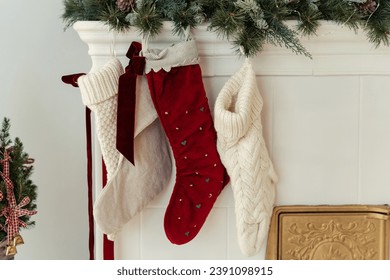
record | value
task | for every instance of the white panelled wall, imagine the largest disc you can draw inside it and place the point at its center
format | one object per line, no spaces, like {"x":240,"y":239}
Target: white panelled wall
{"x":326,"y":123}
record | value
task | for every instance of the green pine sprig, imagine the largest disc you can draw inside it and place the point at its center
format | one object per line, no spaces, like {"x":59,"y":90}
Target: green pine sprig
{"x":377,"y":25}
{"x":115,"y":18}
{"x":147,"y":18}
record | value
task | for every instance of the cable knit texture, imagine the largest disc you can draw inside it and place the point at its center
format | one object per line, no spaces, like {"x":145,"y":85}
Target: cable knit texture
{"x":99,"y":93}
{"x":129,"y":188}
{"x":243,"y":151}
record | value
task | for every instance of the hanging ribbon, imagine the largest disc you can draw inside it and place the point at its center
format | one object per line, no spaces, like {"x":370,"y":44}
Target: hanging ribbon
{"x":72,"y":80}
{"x":127,"y":100}
{"x":91,"y":235}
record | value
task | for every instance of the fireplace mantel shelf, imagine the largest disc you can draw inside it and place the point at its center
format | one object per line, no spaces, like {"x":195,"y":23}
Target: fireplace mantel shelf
{"x":336,"y":50}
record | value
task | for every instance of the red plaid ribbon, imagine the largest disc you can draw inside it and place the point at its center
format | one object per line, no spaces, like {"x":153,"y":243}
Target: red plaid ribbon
{"x":13,"y":211}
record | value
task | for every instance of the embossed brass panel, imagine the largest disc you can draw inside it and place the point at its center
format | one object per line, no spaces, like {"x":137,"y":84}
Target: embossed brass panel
{"x":344,"y":232}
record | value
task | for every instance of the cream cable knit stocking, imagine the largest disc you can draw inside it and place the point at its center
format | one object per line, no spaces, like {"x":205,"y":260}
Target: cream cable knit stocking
{"x":240,"y":143}
{"x":99,"y":93}
{"x":129,"y":188}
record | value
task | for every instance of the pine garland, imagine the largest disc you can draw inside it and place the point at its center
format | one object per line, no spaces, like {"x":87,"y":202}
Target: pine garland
{"x":20,"y":172}
{"x":249,"y":24}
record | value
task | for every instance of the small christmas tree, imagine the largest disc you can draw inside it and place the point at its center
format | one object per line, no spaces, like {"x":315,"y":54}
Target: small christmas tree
{"x":17,"y":191}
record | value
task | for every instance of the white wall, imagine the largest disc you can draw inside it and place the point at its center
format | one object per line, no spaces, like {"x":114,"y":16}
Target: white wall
{"x":49,"y":118}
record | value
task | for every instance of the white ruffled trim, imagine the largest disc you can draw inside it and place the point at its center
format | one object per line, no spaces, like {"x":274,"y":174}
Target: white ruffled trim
{"x":180,"y":54}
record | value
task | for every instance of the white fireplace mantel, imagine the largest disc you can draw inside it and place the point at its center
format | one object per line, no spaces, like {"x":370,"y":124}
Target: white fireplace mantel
{"x":335,"y":49}
{"x":325,"y":120}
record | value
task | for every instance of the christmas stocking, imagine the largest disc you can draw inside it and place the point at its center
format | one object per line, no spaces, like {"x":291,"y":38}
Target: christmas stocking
{"x":243,"y":151}
{"x":177,"y":91}
{"x":129,"y":187}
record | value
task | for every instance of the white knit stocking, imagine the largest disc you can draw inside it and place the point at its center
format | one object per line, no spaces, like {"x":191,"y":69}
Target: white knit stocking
{"x":129,"y":188}
{"x":240,"y":143}
{"x":99,"y":93}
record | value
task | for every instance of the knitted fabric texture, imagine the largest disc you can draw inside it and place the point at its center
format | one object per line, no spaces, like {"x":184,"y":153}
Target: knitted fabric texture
{"x":181,"y":103}
{"x":129,"y":188}
{"x":99,"y":93}
{"x":243,"y":151}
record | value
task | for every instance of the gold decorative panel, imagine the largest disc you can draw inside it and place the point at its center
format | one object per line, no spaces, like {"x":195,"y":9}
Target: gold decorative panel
{"x":345,"y":232}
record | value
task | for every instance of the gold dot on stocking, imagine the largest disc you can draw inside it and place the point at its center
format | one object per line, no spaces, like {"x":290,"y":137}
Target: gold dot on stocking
{"x":198,"y":205}
{"x":206,"y":155}
{"x":215,"y":165}
{"x":207,"y":180}
{"x":185,"y":157}
{"x":201,"y":128}
{"x":180,"y":200}
{"x":179,"y":218}
{"x":201,"y":109}
{"x":187,"y":112}
{"x":177,"y":128}
{"x":196,"y":173}
{"x":187,"y":233}
{"x":191,"y":185}
{"x":166,"y":113}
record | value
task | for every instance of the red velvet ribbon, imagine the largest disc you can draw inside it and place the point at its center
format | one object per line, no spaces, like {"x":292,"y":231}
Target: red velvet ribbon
{"x":91,"y":237}
{"x":127,"y":100}
{"x":72,"y":79}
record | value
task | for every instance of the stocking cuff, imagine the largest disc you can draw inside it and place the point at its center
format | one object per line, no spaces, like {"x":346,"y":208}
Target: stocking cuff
{"x":183,"y":53}
{"x":101,"y":85}
{"x":238,"y":104}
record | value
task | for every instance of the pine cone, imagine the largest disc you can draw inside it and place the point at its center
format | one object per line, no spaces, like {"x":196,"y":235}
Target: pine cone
{"x":125,"y":5}
{"x":368,"y":7}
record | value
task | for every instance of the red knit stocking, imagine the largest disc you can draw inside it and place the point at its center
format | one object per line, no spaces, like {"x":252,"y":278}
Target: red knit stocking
{"x":181,"y":103}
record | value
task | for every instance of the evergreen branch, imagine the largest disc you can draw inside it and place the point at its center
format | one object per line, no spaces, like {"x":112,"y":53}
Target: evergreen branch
{"x":342,"y":12}
{"x":5,"y":141}
{"x":280,"y":35}
{"x":249,"y":41}
{"x":74,"y":10}
{"x":226,"y":22}
{"x":308,"y":15}
{"x":377,"y":25}
{"x":115,"y":18}
{"x":147,"y":19}
{"x":189,"y":17}
{"x":249,"y":23}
